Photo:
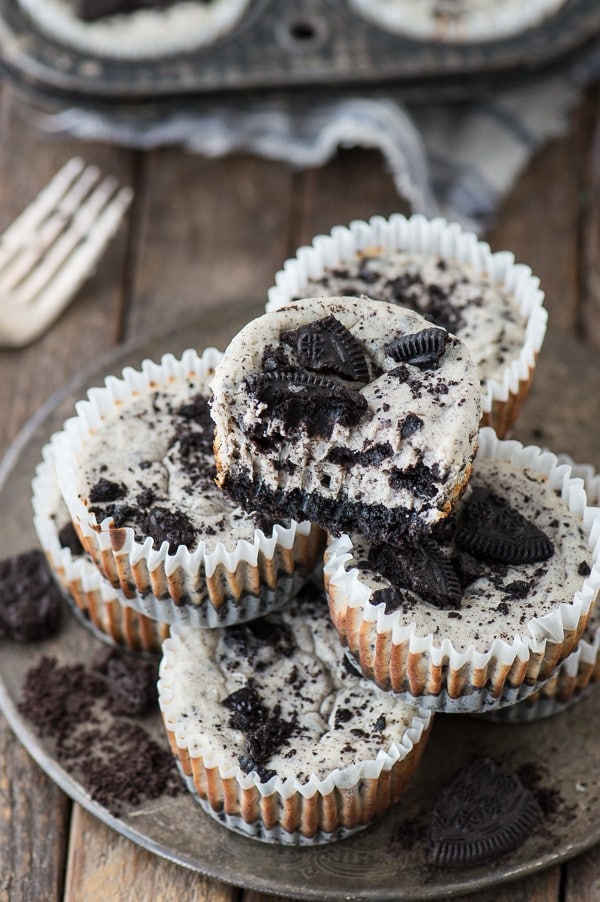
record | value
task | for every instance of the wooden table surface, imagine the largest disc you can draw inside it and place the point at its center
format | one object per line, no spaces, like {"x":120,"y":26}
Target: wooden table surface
{"x":203,"y":233}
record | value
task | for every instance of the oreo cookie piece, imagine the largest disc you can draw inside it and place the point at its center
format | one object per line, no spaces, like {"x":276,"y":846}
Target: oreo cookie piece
{"x":326,"y":345}
{"x":131,"y":685}
{"x":492,"y":530}
{"x":30,"y":600}
{"x":483,"y":813}
{"x":295,"y":397}
{"x":174,"y":527}
{"x":421,"y":567}
{"x":421,"y":349}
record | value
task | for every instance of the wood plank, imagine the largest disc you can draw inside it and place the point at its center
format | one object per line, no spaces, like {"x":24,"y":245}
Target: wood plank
{"x":590,"y":241}
{"x":33,"y":813}
{"x":33,"y":827}
{"x":355,"y":184}
{"x":540,"y":221}
{"x":210,"y":232}
{"x":104,"y":865}
{"x":582,"y":878}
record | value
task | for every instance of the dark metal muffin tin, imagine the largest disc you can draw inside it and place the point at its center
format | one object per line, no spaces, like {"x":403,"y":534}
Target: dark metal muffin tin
{"x":292,"y":44}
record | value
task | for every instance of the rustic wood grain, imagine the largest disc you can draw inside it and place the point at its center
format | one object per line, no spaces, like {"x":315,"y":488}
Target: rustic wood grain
{"x":540,"y":221}
{"x":103,"y":865}
{"x":33,"y":813}
{"x":33,"y":827}
{"x":582,"y":878}
{"x":590,"y":239}
{"x":353,"y":185}
{"x":210,"y":232}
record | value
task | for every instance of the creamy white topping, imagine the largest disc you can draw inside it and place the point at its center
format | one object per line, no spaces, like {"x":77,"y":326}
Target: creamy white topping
{"x":457,"y":20}
{"x":339,"y":718}
{"x":411,"y":448}
{"x":144,"y":33}
{"x":453,"y":294}
{"x":501,"y":601}
{"x":162,"y":459}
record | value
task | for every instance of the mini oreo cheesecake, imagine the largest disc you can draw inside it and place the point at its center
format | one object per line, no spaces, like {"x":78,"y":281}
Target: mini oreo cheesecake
{"x":444,"y":273}
{"x":136,"y":471}
{"x":277,"y":735}
{"x":477,"y":615}
{"x":135,"y":29}
{"x":581,"y":669}
{"x":457,"y":21}
{"x":349,"y":413}
{"x":101,"y":606}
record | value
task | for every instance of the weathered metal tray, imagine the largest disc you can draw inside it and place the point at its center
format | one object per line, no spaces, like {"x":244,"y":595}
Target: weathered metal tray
{"x":281,"y":44}
{"x":388,"y":860}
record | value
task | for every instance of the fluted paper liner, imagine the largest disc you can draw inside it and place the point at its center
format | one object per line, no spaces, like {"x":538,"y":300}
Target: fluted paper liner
{"x":501,"y":400}
{"x":430,"y":670}
{"x":103,"y":607}
{"x":205,"y":587}
{"x":289,"y":811}
{"x":581,"y":669}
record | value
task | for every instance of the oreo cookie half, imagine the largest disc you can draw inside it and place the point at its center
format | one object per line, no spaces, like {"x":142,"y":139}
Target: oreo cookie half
{"x":483,"y":813}
{"x":296,"y":397}
{"x":492,"y":530}
{"x":328,"y":346}
{"x":421,"y":349}
{"x":420,"y":567}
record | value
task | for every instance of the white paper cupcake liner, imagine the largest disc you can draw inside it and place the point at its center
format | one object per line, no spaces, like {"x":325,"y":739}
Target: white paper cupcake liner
{"x":103,"y":609}
{"x":480,"y":20}
{"x":418,"y":666}
{"x":203,"y":587}
{"x":289,"y":811}
{"x":581,"y":669}
{"x":501,"y":400}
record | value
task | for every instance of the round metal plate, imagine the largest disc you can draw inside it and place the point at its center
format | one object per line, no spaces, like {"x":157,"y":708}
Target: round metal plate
{"x":388,"y":860}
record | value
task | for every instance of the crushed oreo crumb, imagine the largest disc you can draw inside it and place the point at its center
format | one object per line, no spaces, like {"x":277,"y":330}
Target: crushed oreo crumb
{"x":68,"y":538}
{"x":30,"y":600}
{"x":107,"y":490}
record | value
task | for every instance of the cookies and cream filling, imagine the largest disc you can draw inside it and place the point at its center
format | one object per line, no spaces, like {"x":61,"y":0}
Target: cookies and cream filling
{"x":451,"y":293}
{"x":278,"y":697}
{"x":151,"y":467}
{"x":517,"y":557}
{"x":347,"y":401}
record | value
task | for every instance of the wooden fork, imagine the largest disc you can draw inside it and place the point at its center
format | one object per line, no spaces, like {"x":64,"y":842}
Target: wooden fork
{"x":53,"y":246}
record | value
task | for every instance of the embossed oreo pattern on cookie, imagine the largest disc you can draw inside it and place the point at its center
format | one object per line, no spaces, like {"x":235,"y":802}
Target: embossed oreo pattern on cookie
{"x":347,"y":412}
{"x":476,"y":624}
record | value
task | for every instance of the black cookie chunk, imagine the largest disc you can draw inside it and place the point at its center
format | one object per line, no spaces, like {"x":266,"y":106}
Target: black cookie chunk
{"x":421,"y":567}
{"x":421,"y":349}
{"x":131,"y":685}
{"x":297,"y":397}
{"x":492,"y":530}
{"x":91,"y":10}
{"x":392,"y":597}
{"x":247,"y":709}
{"x":107,"y":490}
{"x":173,"y":527}
{"x":248,"y":765}
{"x":68,"y":538}
{"x":483,"y":813}
{"x":30,"y":600}
{"x":328,"y":346}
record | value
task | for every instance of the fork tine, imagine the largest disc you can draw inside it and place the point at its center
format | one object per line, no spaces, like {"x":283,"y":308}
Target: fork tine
{"x":43,"y":204}
{"x":64,"y":281}
{"x":34,"y":279}
{"x":29,"y":246}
